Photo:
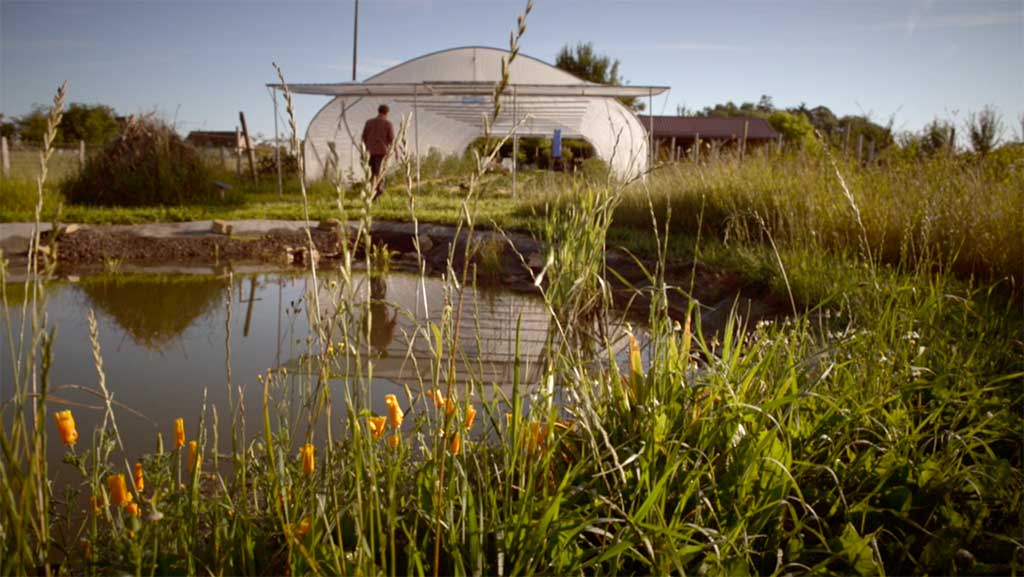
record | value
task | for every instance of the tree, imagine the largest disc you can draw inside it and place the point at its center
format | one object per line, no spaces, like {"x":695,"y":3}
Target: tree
{"x":585,"y":63}
{"x":938,"y":137}
{"x":94,"y":123}
{"x":794,"y":128}
{"x":32,"y":126}
{"x":7,"y":128}
{"x":984,"y":130}
{"x":860,"y":125}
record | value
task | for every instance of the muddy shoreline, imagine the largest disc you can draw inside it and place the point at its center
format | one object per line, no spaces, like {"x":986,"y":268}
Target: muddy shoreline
{"x":249,"y":246}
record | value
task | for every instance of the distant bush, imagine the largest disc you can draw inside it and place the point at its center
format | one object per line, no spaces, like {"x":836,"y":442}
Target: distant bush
{"x":148,"y":164}
{"x":594,"y":170}
{"x":267,"y":165}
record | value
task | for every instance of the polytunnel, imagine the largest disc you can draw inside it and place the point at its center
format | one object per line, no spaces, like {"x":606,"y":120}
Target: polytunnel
{"x":445,"y":97}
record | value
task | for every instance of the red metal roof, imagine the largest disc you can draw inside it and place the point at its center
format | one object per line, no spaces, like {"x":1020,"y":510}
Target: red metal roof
{"x":710,"y":127}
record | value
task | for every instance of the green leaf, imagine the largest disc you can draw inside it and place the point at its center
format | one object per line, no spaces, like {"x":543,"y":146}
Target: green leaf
{"x":857,"y":551}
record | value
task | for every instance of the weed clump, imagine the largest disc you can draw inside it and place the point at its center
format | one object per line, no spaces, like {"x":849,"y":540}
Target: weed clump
{"x":148,"y":164}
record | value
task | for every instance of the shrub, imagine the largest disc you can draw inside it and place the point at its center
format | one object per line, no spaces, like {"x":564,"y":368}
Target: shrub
{"x":148,"y":164}
{"x":267,"y":165}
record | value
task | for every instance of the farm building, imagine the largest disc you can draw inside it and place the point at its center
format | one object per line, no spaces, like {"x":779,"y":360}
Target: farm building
{"x":445,"y":97}
{"x":216,"y":139}
{"x":681,"y":132}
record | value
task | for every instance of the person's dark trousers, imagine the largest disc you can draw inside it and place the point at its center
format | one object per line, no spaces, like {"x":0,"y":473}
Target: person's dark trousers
{"x":375,"y":163}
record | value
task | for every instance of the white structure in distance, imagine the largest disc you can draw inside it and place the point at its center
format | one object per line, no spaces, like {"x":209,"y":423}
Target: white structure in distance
{"x":446,"y":95}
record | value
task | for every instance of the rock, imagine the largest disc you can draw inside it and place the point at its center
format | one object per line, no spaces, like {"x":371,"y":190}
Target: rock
{"x":536,"y":260}
{"x":70,"y":229}
{"x":73,"y":278}
{"x":425,"y":243}
{"x":331,"y":224}
{"x":222,"y":227}
{"x":299,"y":256}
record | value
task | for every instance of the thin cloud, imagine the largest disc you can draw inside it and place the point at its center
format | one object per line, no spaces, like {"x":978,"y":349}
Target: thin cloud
{"x":953,"y":21}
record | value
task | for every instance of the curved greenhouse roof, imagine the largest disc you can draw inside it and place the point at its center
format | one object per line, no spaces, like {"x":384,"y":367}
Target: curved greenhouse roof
{"x":447,"y":94}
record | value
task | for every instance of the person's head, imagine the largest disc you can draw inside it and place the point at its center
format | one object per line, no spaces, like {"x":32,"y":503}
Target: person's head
{"x":383,"y":110}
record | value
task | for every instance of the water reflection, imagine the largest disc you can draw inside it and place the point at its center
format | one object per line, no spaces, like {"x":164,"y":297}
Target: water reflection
{"x":166,"y":343}
{"x":153,"y":310}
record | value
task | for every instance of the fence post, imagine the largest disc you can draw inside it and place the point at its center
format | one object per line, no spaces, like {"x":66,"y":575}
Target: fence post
{"x":81,"y":154}
{"x":673,"y":157}
{"x":248,"y":146}
{"x":846,"y":142}
{"x":5,"y":157}
{"x":238,"y":152}
{"x":696,"y":147}
{"x":871,"y":151}
{"x":743,"y":145}
{"x":860,"y":147}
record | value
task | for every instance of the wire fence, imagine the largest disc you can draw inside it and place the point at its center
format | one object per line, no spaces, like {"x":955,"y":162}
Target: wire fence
{"x":20,"y":161}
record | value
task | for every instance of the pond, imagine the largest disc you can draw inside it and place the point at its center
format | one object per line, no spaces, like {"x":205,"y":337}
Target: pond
{"x":165,"y":343}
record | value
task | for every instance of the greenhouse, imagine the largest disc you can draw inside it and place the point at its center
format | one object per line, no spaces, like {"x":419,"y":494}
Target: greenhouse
{"x":447,"y":99}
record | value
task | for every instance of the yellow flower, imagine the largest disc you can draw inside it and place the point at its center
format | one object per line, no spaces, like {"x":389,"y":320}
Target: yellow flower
{"x":139,"y":480}
{"x":377,"y":425}
{"x":456,"y":444}
{"x":304,"y":526}
{"x":470,"y":417}
{"x":194,"y":458}
{"x":394,"y":440}
{"x":66,"y":427}
{"x":133,"y":509}
{"x":394,"y":411}
{"x":179,"y":433}
{"x":308,"y":459}
{"x":119,"y":494}
{"x":437,"y":397}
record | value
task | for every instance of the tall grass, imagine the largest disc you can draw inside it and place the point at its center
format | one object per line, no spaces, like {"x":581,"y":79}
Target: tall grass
{"x":959,"y":213}
{"x":879,"y":433}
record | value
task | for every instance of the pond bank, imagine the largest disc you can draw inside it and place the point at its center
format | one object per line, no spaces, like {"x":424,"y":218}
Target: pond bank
{"x":509,"y":259}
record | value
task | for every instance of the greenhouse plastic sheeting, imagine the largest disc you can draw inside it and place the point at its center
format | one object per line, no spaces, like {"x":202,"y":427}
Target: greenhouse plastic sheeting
{"x":452,"y":94}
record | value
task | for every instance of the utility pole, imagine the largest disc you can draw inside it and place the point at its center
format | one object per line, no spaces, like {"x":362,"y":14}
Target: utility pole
{"x":355,"y":42}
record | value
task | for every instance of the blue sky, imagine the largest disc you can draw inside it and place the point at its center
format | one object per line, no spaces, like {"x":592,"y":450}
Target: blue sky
{"x":198,"y":63}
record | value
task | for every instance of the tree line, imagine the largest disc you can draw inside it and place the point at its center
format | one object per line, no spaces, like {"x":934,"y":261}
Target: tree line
{"x":95,"y":124}
{"x":984,"y":131}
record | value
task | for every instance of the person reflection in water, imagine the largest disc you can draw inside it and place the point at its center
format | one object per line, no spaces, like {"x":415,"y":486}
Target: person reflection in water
{"x":383,"y":320}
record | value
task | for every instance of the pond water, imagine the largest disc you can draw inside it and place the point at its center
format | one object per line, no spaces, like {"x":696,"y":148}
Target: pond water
{"x":164,"y":341}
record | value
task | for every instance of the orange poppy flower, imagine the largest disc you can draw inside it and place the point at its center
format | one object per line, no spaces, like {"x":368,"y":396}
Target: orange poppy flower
{"x":119,"y":494}
{"x":470,"y":417}
{"x":66,"y":427}
{"x":377,"y":425}
{"x":194,"y":458}
{"x":308,"y":459}
{"x":394,"y":411}
{"x":179,"y":433}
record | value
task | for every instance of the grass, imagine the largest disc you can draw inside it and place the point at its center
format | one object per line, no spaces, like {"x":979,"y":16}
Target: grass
{"x":875,"y":431}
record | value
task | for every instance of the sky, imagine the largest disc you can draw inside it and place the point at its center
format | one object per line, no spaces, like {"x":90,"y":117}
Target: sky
{"x":198,"y":63}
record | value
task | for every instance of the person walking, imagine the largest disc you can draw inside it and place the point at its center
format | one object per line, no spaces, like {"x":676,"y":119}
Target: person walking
{"x":378,"y":134}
